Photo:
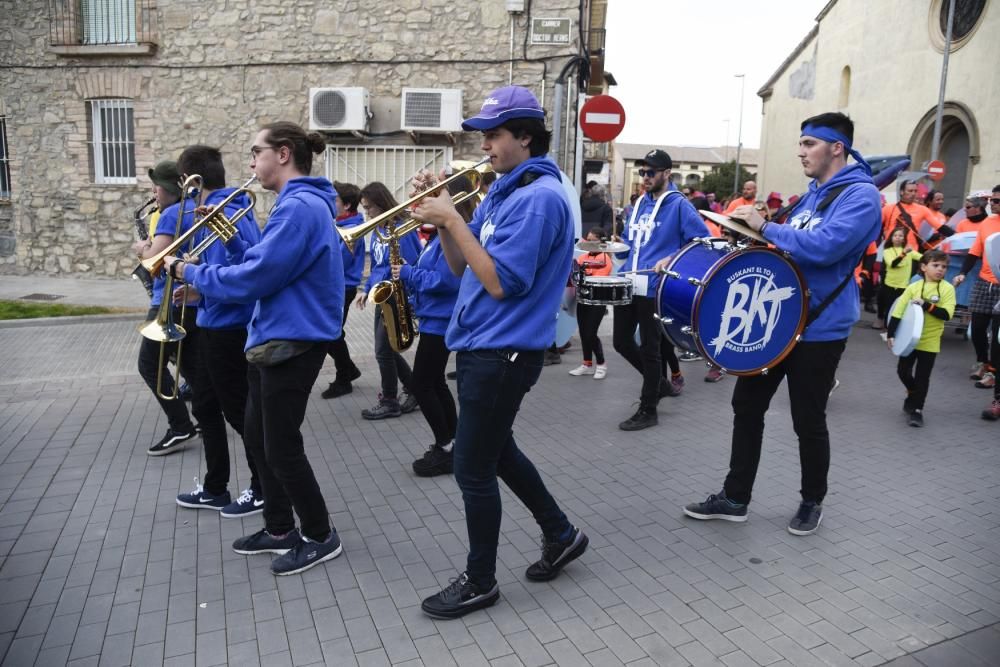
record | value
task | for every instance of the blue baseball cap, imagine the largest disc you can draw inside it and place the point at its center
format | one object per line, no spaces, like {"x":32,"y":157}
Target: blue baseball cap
{"x":505,"y":104}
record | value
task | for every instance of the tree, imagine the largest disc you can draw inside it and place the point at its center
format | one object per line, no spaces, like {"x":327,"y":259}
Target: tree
{"x":720,"y":180}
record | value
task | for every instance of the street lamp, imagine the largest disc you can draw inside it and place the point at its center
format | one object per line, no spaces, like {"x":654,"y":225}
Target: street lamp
{"x":739,"y":139}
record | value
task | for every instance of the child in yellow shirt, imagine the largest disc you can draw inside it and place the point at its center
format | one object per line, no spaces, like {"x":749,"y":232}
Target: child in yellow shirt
{"x":936,"y":297}
{"x":897,"y":267}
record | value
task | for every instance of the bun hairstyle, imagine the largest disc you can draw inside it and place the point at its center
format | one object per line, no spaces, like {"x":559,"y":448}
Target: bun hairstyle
{"x":302,"y":145}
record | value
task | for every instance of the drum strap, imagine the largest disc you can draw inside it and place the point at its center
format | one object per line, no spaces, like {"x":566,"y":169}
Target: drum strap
{"x":908,"y":223}
{"x":814,"y":313}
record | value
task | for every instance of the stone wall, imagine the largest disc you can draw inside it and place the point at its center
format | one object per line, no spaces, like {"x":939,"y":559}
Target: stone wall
{"x":219,"y":70}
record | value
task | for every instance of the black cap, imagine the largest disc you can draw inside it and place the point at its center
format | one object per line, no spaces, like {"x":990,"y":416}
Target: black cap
{"x":657,"y":159}
{"x":165,"y":175}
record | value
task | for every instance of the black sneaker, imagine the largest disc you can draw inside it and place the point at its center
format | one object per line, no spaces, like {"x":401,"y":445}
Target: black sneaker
{"x":717,"y":507}
{"x":807,"y":519}
{"x":336,"y":389}
{"x":435,"y":461}
{"x":459,"y":598}
{"x":171,"y":442}
{"x":307,"y":554}
{"x":263,"y":542}
{"x":551,"y":358}
{"x":643,"y":418}
{"x":200,"y":499}
{"x":408,"y":404}
{"x":386,"y":408}
{"x":185,"y":393}
{"x":916,"y":418}
{"x":556,"y":555}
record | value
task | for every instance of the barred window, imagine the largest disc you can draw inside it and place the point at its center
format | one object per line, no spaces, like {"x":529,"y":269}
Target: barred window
{"x":112,"y":140}
{"x":4,"y":161}
{"x":107,"y":21}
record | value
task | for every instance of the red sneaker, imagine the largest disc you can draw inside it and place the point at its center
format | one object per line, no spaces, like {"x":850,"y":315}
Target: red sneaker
{"x":992,"y":413}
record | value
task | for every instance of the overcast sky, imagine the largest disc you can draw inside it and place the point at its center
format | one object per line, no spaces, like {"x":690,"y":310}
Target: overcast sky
{"x":675,"y":64}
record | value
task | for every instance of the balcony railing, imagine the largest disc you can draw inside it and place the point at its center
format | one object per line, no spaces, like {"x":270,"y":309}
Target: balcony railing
{"x":96,"y":23}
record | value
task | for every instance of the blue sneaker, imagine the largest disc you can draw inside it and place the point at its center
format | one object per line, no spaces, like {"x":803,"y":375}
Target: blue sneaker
{"x":307,"y":554}
{"x":200,"y":499}
{"x":717,"y":507}
{"x":245,"y":505}
{"x":263,"y":542}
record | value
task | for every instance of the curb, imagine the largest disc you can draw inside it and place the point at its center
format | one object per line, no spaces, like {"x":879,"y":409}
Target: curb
{"x":70,"y":319}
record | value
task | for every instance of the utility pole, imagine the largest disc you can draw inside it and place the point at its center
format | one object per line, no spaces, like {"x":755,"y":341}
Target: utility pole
{"x":739,"y":139}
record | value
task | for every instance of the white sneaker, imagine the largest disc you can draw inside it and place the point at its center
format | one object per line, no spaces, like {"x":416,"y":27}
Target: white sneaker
{"x":600,"y":371}
{"x":582,"y":369}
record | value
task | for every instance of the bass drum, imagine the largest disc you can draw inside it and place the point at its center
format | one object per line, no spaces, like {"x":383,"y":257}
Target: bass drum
{"x":741,"y":309}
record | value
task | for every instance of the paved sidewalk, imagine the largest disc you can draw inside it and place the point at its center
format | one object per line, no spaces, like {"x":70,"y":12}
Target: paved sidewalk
{"x":77,"y":291}
{"x":99,"y":566}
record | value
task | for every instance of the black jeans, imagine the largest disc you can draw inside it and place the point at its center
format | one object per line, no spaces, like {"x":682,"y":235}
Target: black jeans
{"x":431,"y":390}
{"x":987,"y":351}
{"x":914,"y":372}
{"x":645,"y":357}
{"x":668,"y":358}
{"x":391,"y":364}
{"x":886,"y":296}
{"x":589,"y":320}
{"x":227,"y":369}
{"x":176,"y":411}
{"x":338,"y":349}
{"x":276,"y":407}
{"x":491,"y":385}
{"x":810,"y":369}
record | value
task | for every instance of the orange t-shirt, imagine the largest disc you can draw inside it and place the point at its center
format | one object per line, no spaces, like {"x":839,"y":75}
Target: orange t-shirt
{"x":966,"y":225}
{"x":739,"y":201}
{"x":987,"y":228}
{"x":597,"y":265}
{"x":918,"y":215}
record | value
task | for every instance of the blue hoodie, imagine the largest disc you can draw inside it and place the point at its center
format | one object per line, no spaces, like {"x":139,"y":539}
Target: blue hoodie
{"x":828,"y":245}
{"x":528,"y":231}
{"x":212,"y":313}
{"x":166,"y":226}
{"x":432,"y":287}
{"x":295,"y":274}
{"x":677,"y":223}
{"x":409,"y":251}
{"x":354,"y":262}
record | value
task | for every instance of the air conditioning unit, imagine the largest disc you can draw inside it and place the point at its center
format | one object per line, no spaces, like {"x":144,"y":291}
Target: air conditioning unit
{"x":431,"y":110}
{"x":338,"y":109}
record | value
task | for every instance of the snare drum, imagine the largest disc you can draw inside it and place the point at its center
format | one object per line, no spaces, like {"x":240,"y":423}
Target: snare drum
{"x":604,"y":291}
{"x":743,"y":310}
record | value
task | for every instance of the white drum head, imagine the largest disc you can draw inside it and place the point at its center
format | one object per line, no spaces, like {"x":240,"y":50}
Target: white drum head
{"x":991,"y":248}
{"x":911,"y":326}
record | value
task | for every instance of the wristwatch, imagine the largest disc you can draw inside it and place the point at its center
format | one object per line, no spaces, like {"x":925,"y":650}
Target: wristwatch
{"x":173,"y":270}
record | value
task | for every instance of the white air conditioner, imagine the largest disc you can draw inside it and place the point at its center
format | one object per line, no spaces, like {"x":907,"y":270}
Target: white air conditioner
{"x":338,"y":109}
{"x":431,"y":110}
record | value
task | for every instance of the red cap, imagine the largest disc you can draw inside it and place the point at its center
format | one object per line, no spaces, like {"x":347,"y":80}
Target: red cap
{"x":774,"y":196}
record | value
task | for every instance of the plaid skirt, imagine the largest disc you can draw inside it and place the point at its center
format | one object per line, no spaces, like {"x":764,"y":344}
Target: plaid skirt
{"x":984,"y":296}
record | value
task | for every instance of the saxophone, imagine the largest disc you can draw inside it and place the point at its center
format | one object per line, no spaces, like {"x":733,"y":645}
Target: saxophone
{"x":390,"y":296}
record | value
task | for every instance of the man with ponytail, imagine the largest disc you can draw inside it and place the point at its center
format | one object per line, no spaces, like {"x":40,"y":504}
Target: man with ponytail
{"x":295,"y":279}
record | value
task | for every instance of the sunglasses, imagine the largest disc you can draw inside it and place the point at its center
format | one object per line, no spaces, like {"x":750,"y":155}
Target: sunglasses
{"x":648,"y":172}
{"x":995,"y":200}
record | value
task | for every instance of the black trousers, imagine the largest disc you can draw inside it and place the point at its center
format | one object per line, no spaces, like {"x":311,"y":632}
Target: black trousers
{"x":588,"y":318}
{"x":667,"y":356}
{"x":914,"y":372}
{"x":430,"y":387}
{"x":644,"y":357}
{"x":810,"y":369}
{"x":276,"y":407}
{"x":338,"y":349}
{"x":886,"y":296}
{"x":227,"y":370}
{"x":149,"y":364}
{"x":987,"y":351}
{"x":391,"y":364}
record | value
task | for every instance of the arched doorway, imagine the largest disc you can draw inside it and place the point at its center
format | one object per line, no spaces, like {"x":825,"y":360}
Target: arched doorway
{"x":959,"y":149}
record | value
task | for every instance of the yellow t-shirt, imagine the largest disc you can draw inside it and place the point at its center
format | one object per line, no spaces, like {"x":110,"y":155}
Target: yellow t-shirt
{"x":898,"y":276}
{"x":154,"y":218}
{"x":942,"y":296}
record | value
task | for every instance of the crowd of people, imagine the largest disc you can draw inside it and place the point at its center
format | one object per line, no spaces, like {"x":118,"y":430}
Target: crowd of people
{"x":266,"y":307}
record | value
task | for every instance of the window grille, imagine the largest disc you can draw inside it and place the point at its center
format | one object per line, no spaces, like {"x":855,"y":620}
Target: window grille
{"x":102,"y":22}
{"x":4,"y":161}
{"x":112,"y":140}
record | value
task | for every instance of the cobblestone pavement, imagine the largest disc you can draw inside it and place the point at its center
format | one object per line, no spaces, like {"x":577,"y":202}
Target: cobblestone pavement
{"x":99,"y":566}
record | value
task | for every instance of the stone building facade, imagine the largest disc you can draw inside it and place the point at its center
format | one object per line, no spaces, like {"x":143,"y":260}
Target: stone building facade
{"x":880,"y":63}
{"x":212,"y":71}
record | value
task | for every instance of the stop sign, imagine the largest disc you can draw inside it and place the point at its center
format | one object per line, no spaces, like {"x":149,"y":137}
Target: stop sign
{"x":936,"y":170}
{"x":602,"y":118}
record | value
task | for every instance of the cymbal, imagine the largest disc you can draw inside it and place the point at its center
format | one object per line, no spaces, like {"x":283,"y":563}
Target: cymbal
{"x":733,"y":225}
{"x":601,"y":246}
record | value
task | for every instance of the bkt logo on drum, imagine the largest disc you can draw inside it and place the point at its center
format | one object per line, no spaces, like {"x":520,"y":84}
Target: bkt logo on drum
{"x":752,"y":310}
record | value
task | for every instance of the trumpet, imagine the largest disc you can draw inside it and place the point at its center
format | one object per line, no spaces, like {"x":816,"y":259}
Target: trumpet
{"x":221,"y":228}
{"x":352,"y":235}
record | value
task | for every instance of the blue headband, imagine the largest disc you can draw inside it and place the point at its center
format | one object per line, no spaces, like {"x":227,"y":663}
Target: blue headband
{"x":831,"y":135}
